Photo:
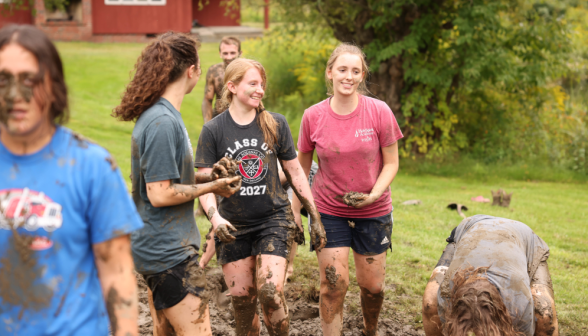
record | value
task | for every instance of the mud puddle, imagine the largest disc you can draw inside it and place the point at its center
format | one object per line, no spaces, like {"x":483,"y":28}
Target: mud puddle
{"x":304,"y":312}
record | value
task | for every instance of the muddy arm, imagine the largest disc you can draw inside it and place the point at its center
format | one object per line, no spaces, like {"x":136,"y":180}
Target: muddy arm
{"x":165,"y":193}
{"x":220,"y":226}
{"x":431,"y":321}
{"x":544,"y":302}
{"x":299,"y":182}
{"x":119,"y":286}
{"x":202,"y":178}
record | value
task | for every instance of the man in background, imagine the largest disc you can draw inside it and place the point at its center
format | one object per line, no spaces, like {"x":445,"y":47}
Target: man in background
{"x":229,"y":50}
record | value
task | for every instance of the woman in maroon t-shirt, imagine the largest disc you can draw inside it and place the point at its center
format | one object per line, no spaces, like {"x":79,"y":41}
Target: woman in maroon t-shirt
{"x":355,"y":138}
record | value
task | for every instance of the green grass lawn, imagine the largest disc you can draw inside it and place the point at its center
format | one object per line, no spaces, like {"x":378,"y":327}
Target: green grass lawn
{"x":558,"y":212}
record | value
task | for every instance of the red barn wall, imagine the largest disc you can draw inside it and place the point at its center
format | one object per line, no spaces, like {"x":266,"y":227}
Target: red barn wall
{"x":213,"y":14}
{"x":120,"y":19}
{"x":20,"y":16}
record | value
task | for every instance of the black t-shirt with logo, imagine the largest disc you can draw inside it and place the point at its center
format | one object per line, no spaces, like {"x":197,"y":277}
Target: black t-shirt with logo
{"x":261,"y":200}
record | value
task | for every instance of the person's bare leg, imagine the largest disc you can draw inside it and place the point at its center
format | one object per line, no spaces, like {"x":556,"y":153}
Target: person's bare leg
{"x":271,"y":274}
{"x":161,"y":326}
{"x":190,"y":316}
{"x":291,"y":261}
{"x":544,"y":301}
{"x":431,"y":321}
{"x":240,"y":277}
{"x":370,"y":272}
{"x":334,"y":271}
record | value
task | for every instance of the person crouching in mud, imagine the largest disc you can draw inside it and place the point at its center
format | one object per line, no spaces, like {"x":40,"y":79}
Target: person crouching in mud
{"x":492,"y":279}
{"x":254,"y":229}
{"x":165,"y":186}
{"x":355,"y":138}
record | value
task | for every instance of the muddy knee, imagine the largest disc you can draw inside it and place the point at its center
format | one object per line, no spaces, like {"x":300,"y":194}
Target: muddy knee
{"x":334,"y":291}
{"x":267,"y":296}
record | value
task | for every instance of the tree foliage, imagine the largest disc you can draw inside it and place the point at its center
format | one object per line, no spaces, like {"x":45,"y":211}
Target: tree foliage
{"x":457,"y":73}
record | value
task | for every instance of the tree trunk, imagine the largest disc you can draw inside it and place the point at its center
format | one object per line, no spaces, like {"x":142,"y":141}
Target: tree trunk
{"x":387,"y":83}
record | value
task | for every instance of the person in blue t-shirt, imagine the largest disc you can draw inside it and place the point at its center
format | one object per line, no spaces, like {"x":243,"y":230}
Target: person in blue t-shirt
{"x":165,"y":185}
{"x":65,"y":213}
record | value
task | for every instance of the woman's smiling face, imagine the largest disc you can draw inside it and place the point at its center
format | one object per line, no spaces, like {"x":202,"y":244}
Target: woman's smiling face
{"x":251,"y":89}
{"x":346,"y":74}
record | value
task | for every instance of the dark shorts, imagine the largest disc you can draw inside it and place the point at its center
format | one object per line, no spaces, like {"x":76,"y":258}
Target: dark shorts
{"x":366,"y":236}
{"x":267,"y":240}
{"x":171,"y":286}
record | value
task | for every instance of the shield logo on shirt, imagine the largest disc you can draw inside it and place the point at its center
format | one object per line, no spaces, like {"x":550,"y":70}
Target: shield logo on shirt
{"x":252,"y":167}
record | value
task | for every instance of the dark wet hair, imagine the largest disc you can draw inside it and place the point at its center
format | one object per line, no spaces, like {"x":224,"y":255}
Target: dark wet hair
{"x":161,"y":63}
{"x":36,"y":42}
{"x":474,"y":296}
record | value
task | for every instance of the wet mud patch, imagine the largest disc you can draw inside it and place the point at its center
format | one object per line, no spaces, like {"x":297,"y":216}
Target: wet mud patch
{"x":19,"y":275}
{"x":353,"y":198}
{"x":331,"y":274}
{"x":304,"y":320}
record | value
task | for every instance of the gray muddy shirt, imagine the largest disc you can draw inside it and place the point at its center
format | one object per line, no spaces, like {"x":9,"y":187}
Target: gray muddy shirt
{"x":511,"y":250}
{"x":161,"y":150}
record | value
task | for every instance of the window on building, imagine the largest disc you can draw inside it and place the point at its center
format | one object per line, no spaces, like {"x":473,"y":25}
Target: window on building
{"x":136,"y":2}
{"x":72,"y":12}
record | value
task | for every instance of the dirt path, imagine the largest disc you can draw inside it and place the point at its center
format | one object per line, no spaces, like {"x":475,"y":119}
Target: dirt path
{"x":304,"y":313}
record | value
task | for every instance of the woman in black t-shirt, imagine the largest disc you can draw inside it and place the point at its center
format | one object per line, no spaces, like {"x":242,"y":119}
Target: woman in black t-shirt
{"x":255,"y":228}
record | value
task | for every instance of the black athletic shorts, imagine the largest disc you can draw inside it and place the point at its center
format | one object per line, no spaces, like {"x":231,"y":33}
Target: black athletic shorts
{"x":267,"y":240}
{"x":171,"y":286}
{"x":366,"y":236}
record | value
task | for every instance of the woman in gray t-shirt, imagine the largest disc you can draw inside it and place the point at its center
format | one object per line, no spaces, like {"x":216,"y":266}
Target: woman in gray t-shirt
{"x":165,"y":250}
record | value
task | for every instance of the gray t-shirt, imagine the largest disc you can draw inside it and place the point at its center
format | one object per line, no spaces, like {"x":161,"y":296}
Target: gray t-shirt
{"x":511,"y":250}
{"x":161,"y":150}
{"x":262,"y":201}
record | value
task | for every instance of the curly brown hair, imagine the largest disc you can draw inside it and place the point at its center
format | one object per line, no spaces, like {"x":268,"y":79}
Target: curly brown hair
{"x":477,"y":307}
{"x":162,"y":62}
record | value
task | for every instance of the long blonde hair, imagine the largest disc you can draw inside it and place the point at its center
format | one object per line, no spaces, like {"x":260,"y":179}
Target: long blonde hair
{"x":347,"y":48}
{"x":234,"y":73}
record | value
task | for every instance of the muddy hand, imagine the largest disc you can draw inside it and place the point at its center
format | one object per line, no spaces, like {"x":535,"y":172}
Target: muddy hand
{"x":363,"y":201}
{"x":226,"y":187}
{"x":225,"y":167}
{"x":223,"y":234}
{"x":218,"y":171}
{"x":318,"y":236}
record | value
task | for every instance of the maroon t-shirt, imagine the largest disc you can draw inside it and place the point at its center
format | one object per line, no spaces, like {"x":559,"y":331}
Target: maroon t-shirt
{"x":349,"y":153}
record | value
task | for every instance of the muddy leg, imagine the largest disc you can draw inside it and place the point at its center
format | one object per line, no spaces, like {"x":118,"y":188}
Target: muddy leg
{"x":371,"y":275}
{"x":431,"y":321}
{"x":334,"y":271}
{"x":240,"y":277}
{"x":190,"y":317}
{"x":161,"y":326}
{"x":271,"y":274}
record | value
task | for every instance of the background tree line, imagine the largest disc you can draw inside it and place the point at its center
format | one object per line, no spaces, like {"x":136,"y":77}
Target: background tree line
{"x":499,"y":81}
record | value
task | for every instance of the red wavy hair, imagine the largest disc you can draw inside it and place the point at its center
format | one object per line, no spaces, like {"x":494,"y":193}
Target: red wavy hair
{"x":161,"y":62}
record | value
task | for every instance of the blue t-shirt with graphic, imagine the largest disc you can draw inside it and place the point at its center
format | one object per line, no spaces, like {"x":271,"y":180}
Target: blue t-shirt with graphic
{"x":54,"y":205}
